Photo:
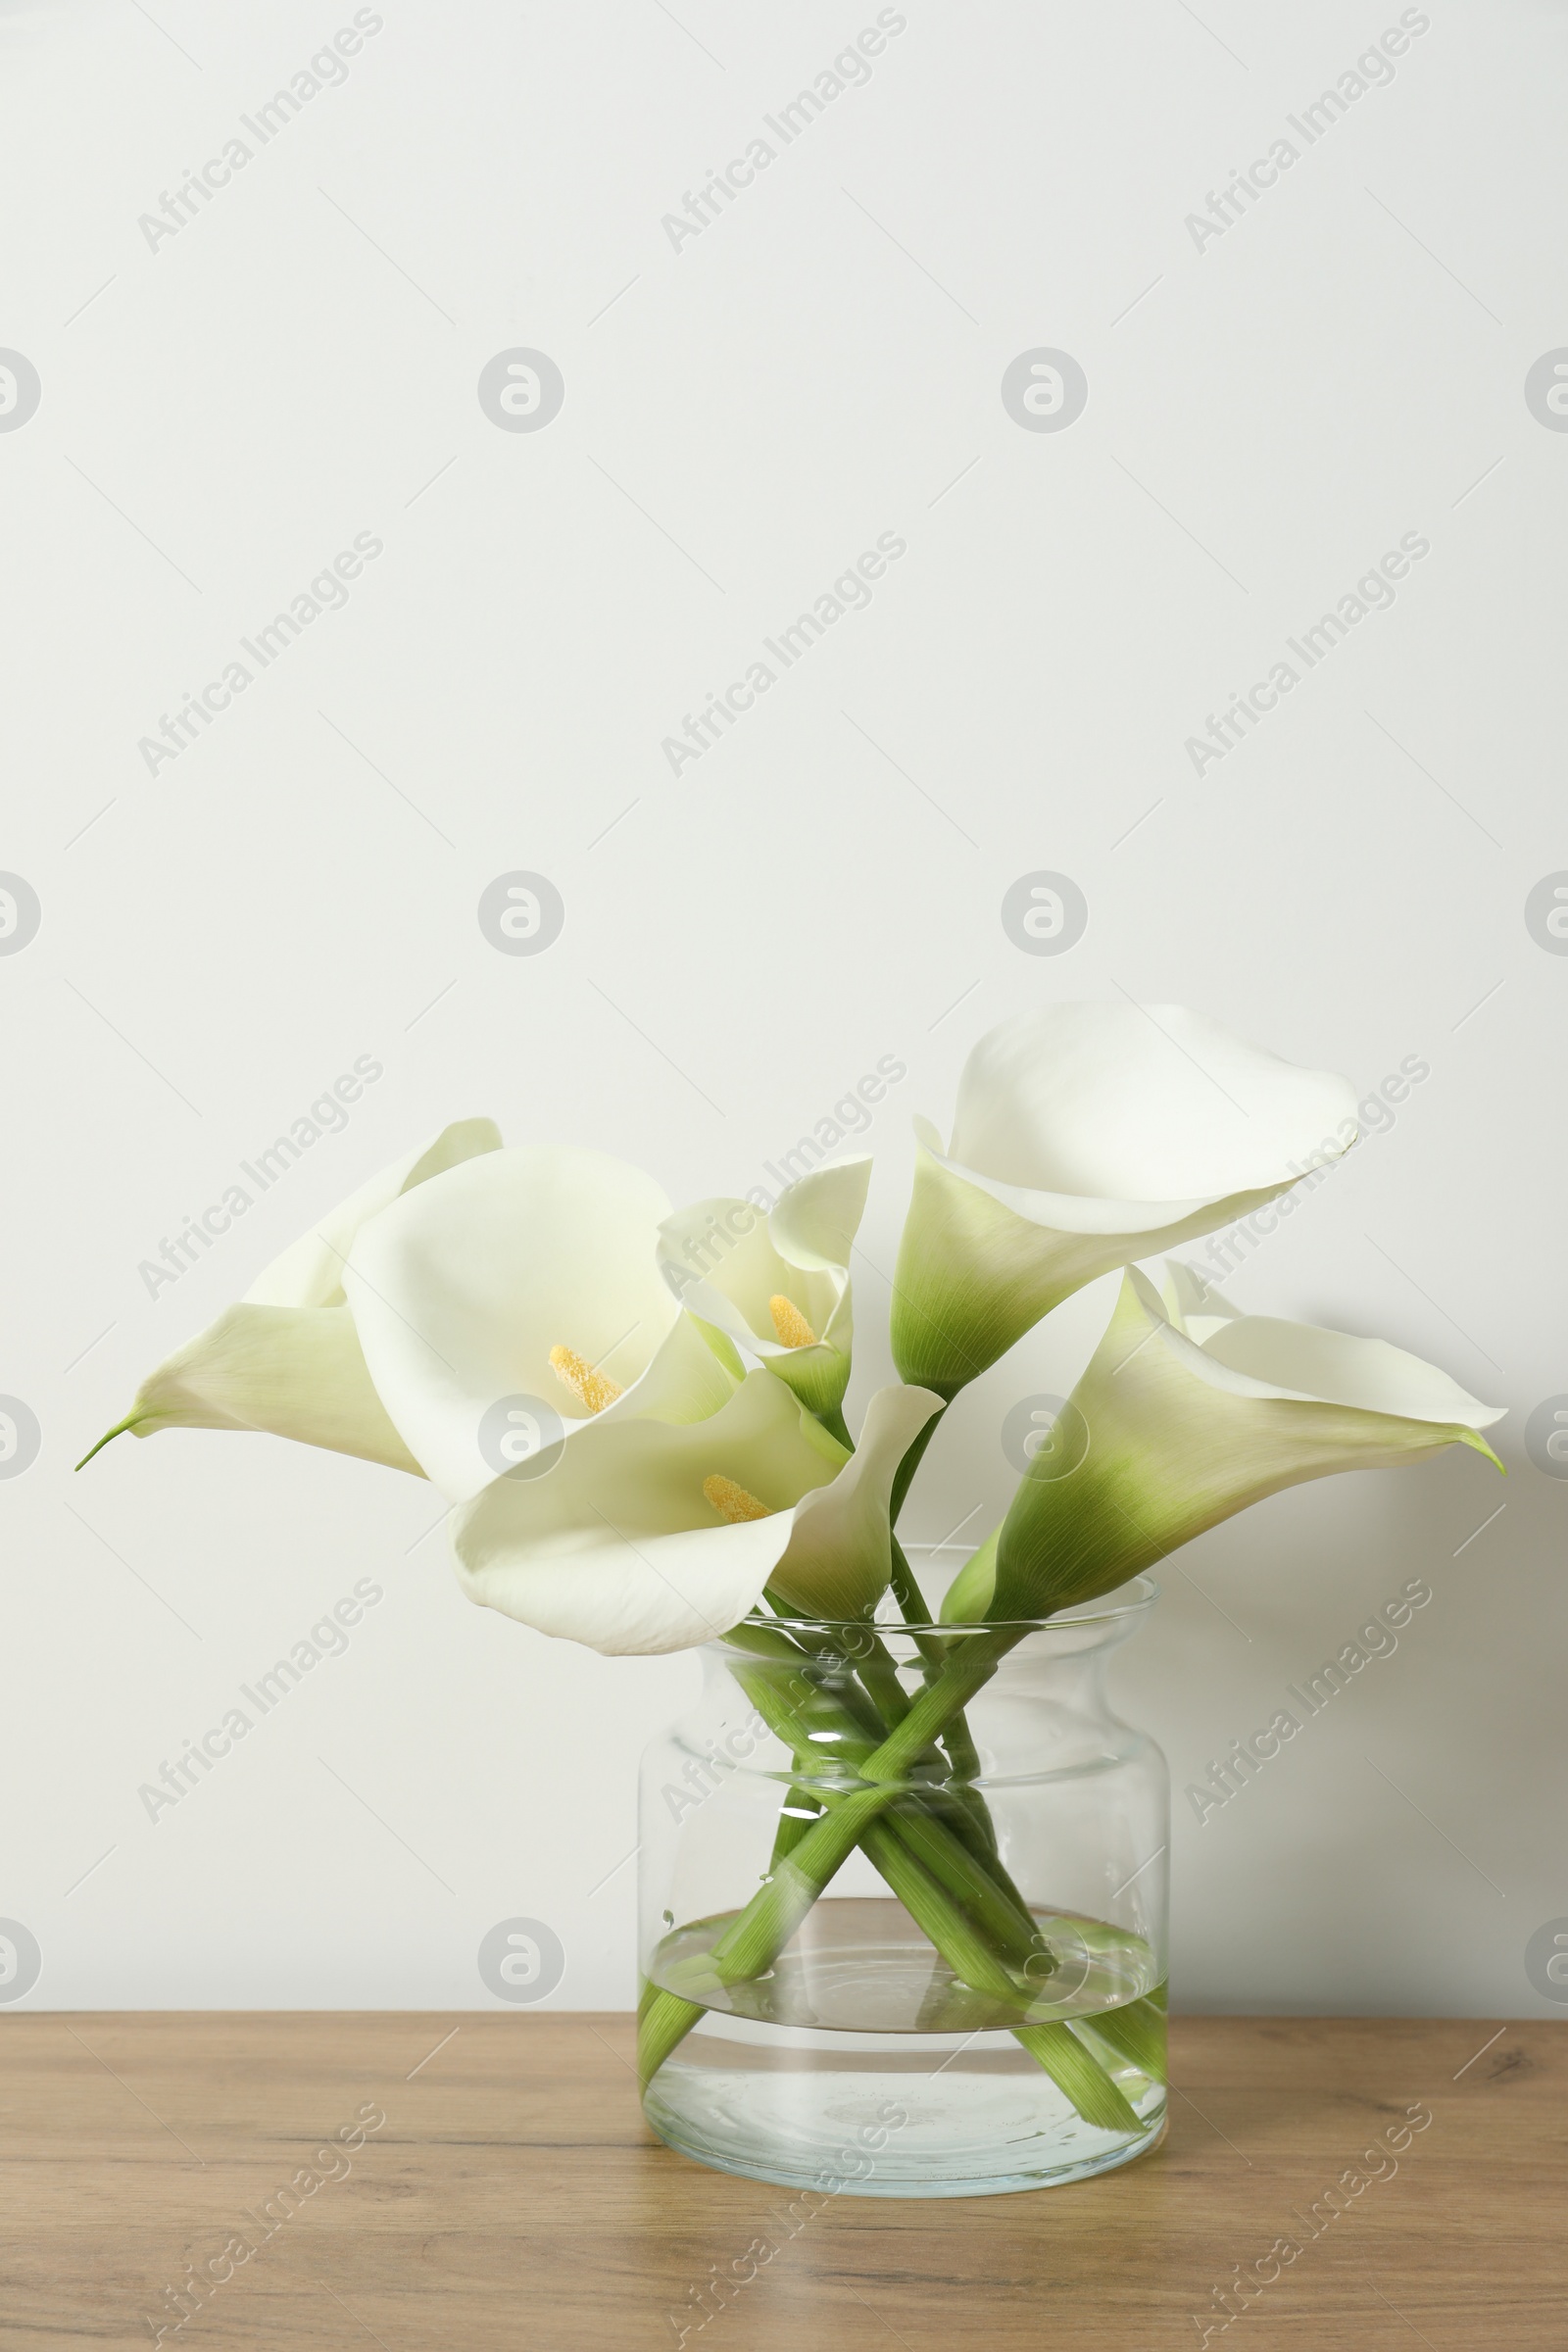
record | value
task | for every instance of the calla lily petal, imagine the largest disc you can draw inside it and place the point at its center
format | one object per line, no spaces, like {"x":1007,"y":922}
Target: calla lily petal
{"x":1195,"y":1309}
{"x":286,"y":1358}
{"x":619,"y":1547}
{"x":727,"y":1267}
{"x":1166,"y":1437}
{"x":292,"y":1371}
{"x":817,"y":1217}
{"x":838,"y":1558}
{"x":465,"y":1289}
{"x":1086,"y":1136}
{"x":310,"y":1273}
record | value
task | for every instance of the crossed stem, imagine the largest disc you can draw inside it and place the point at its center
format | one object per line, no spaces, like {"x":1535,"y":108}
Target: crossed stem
{"x":947,"y":1876}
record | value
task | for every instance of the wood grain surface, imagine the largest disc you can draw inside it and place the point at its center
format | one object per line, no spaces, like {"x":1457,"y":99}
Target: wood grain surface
{"x":513,"y":2198}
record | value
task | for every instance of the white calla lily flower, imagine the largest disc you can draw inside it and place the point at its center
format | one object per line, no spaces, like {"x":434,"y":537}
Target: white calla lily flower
{"x":776,"y":1288}
{"x":530,"y":1286}
{"x":286,"y":1357}
{"x":1086,"y":1136}
{"x":1167,"y":1435}
{"x":649,"y":1536}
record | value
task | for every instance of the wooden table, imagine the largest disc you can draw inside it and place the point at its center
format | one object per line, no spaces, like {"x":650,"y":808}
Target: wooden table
{"x":511,"y":2197}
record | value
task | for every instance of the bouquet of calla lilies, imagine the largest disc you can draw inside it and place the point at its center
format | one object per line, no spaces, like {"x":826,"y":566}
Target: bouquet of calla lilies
{"x":638,"y":1416}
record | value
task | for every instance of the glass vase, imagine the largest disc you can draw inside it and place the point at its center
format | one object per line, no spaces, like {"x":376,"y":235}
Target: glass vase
{"x":903,"y":1908}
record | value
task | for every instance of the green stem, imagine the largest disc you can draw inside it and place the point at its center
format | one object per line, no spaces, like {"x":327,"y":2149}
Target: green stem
{"x":863,"y":1651}
{"x":904,"y":1476}
{"x":107,"y":1439}
{"x":999,"y":1905}
{"x":753,"y":1941}
{"x":662,"y":2028}
{"x":973,"y":1662}
{"x":962,"y":1755}
{"x":857,"y":1725}
{"x":1135,"y":2032}
{"x":956,"y":1902}
{"x":1075,"y":2069}
{"x":1070,"y":2066}
{"x":880,"y":1675}
{"x":796,"y":1816}
{"x":912,"y":1601}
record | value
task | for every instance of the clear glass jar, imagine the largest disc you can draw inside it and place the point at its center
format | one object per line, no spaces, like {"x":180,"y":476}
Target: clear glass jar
{"x":903,"y":1908}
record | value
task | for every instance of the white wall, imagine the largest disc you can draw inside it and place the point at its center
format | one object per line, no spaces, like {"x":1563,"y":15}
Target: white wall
{"x":1268,"y":413}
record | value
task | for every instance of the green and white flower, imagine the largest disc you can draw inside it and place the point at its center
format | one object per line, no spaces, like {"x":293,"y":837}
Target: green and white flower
{"x":1086,"y":1136}
{"x":776,"y":1288}
{"x":650,"y":1536}
{"x":286,"y":1358}
{"x":531,"y":1274}
{"x":1175,"y":1433}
